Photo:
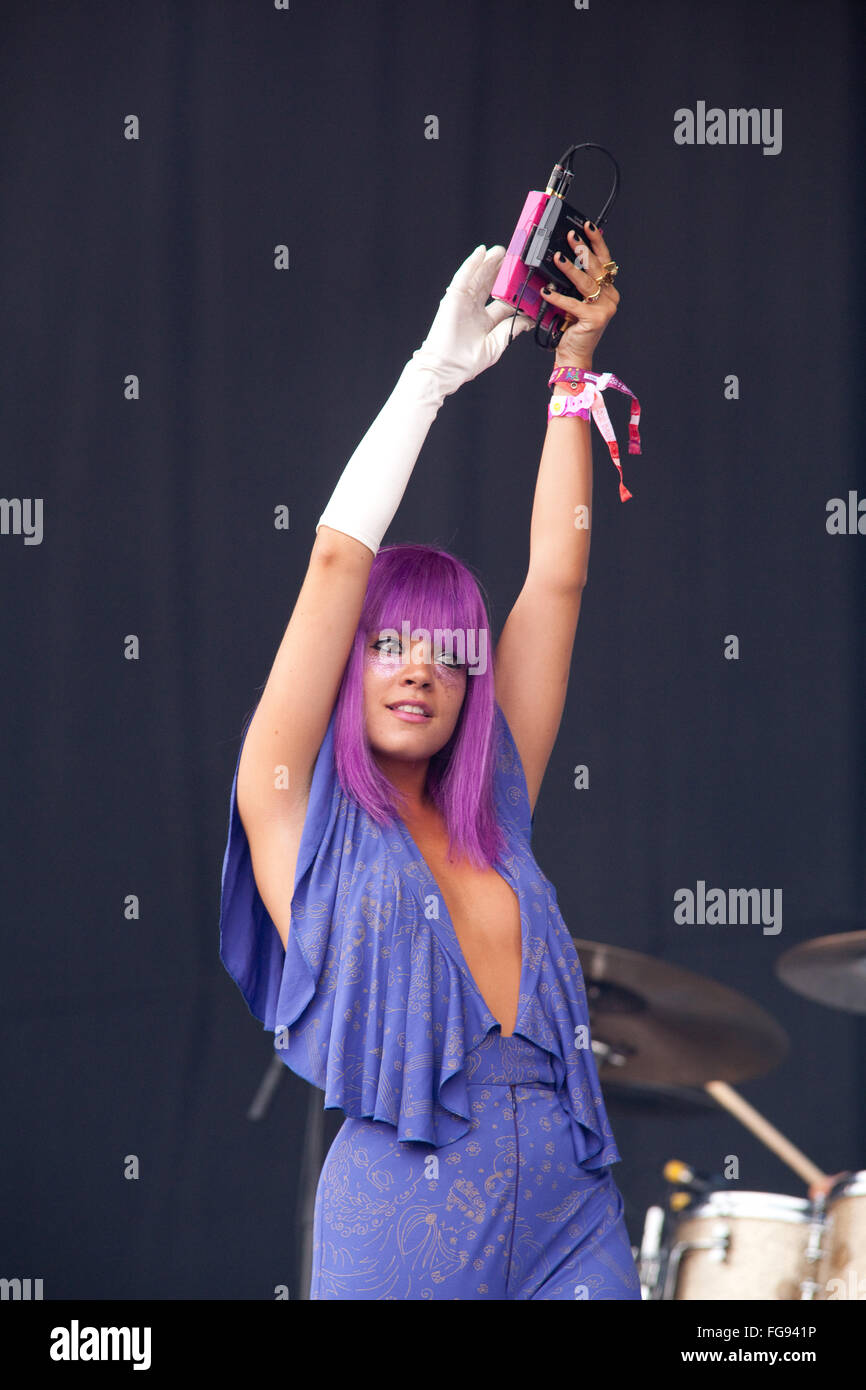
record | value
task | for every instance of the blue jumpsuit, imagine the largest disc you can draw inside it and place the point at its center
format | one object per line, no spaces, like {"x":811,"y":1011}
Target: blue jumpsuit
{"x":470,"y":1165}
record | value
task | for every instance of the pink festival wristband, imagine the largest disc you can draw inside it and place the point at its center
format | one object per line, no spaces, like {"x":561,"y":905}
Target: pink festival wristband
{"x":588,"y":400}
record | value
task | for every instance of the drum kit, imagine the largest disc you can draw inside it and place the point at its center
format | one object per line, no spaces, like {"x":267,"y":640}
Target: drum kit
{"x":667,"y":1037}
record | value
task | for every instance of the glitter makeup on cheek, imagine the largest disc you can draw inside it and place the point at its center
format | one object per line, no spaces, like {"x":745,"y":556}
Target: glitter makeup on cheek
{"x":381,"y":661}
{"x":452,"y":676}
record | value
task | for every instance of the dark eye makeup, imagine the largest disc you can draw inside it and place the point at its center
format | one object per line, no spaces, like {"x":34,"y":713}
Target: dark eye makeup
{"x":442,"y":658}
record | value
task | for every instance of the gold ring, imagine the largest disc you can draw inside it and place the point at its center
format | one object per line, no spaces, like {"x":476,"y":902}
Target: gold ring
{"x":591,"y":298}
{"x":611,"y":270}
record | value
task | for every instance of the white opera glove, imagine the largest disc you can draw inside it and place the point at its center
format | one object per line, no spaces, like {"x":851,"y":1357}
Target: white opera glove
{"x":464,"y":339}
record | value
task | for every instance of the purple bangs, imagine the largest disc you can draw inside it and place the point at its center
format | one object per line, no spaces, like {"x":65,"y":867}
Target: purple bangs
{"x":430,"y":589}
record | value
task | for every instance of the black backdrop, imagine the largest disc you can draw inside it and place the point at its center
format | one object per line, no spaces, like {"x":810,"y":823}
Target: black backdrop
{"x":153,"y":257}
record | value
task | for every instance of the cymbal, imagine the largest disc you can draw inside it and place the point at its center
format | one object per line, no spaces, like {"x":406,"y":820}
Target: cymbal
{"x":645,"y":1099}
{"x":660,"y":1023}
{"x":830,"y":969}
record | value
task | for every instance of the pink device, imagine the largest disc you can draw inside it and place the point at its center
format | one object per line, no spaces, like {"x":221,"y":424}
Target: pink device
{"x":511,"y":284}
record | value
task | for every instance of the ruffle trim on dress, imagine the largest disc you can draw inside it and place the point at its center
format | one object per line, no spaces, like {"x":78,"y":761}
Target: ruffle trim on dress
{"x":384,"y":1022}
{"x":381,"y":1026}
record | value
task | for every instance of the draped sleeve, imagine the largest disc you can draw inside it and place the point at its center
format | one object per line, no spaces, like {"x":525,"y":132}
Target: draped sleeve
{"x":250,"y":945}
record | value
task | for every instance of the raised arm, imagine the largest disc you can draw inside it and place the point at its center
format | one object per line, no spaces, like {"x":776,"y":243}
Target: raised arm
{"x":296,"y":704}
{"x":292,"y":715}
{"x":293,"y":711}
{"x":533,"y":656}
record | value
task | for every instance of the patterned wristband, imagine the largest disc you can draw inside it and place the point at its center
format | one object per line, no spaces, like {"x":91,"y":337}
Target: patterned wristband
{"x":589,"y":401}
{"x":580,"y":404}
{"x":567,"y":376}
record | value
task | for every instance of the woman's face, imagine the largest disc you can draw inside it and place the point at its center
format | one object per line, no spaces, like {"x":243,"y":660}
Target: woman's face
{"x":421,"y":673}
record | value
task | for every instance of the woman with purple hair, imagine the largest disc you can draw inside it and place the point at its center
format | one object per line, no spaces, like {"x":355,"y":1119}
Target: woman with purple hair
{"x":382,"y":910}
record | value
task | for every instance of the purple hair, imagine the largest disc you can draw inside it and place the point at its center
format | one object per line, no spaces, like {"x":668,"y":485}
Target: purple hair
{"x":431,"y":589}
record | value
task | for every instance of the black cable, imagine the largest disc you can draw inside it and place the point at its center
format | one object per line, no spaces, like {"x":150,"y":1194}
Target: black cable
{"x":517,"y":310}
{"x":614,"y":191}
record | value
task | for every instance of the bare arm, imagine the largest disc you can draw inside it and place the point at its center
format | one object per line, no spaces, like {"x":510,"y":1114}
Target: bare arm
{"x":296,"y":704}
{"x":533,"y":657}
{"x":288,"y":726}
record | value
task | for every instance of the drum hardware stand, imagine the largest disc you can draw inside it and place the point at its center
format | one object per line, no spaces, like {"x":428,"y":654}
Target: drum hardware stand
{"x":312,"y":1158}
{"x":815,"y":1247}
{"x":654,"y":1257}
{"x":308,"y":1181}
{"x":650,"y":1257}
{"x":608,"y":1054}
{"x":266,"y":1088}
{"x":719,"y":1244}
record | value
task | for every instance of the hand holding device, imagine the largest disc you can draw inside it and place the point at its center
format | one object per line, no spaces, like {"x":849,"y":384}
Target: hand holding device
{"x":466,"y":337}
{"x":587,"y":320}
{"x":531,"y":263}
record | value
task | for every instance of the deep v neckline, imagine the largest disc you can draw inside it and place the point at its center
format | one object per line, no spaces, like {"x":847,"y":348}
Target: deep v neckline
{"x":500,"y":868}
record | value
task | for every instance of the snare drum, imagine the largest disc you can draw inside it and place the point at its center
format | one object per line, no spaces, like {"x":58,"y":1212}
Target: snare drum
{"x":751,"y":1245}
{"x":842,"y":1269}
